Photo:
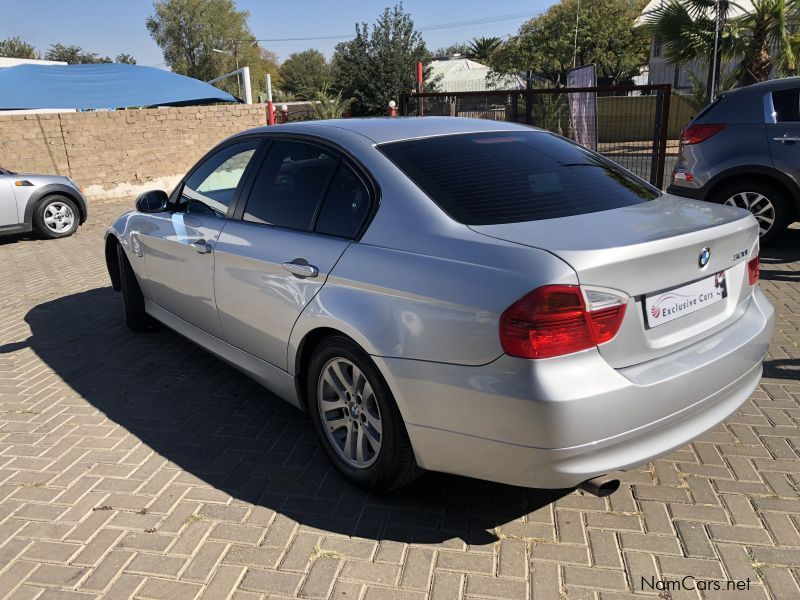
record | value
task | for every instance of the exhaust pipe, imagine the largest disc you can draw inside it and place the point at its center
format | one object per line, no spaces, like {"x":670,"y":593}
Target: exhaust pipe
{"x":601,"y":486}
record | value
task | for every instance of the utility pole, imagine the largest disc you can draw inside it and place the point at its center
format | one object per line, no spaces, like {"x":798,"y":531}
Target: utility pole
{"x":713,"y":83}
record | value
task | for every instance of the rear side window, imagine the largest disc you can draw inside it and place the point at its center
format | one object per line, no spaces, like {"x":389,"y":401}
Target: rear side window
{"x":290,"y":184}
{"x":787,"y":105}
{"x":508,"y":177}
{"x":346,"y":205}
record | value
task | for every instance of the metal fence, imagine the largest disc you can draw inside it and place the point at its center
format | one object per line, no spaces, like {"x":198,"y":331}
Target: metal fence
{"x":631,"y":125}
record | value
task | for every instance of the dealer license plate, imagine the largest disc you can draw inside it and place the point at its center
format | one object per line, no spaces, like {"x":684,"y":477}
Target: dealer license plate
{"x":663,"y":307}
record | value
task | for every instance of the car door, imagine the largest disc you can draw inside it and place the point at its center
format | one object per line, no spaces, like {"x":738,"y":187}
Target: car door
{"x":8,"y":203}
{"x":305,"y":206}
{"x":178,"y":244}
{"x":783,"y":133}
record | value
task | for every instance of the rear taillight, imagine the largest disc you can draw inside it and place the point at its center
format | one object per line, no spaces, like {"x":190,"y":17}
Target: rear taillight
{"x":753,"y":269}
{"x":555,"y":320}
{"x":694,"y":134}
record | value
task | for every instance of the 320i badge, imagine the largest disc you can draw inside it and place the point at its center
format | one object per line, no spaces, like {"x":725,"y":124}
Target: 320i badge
{"x":469,"y":296}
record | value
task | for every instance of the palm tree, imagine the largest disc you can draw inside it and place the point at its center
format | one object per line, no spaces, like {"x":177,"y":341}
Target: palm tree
{"x":771,"y":43}
{"x":761,"y":37}
{"x":325,"y":105}
{"x":481,"y":49}
{"x":687,"y":30}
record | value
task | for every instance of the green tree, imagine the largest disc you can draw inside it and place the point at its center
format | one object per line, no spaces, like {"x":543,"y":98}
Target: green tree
{"x":481,"y":49}
{"x":327,"y":105}
{"x":188,"y":32}
{"x":379,"y":64}
{"x":15,"y":47}
{"x":125,"y":59}
{"x":305,"y":73}
{"x":606,"y":38}
{"x":74,"y":55}
{"x":452,"y":49}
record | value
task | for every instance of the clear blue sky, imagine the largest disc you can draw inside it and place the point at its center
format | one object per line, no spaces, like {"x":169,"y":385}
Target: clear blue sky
{"x":109,"y":27}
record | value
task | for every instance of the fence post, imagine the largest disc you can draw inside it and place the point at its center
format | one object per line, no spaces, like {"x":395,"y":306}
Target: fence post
{"x":660,"y":131}
{"x":662,"y":154}
{"x":654,"y":158}
{"x":528,"y":98}
{"x":403,"y":104}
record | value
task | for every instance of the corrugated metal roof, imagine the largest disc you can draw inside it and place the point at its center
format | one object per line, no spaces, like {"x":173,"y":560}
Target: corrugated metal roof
{"x":465,"y":75}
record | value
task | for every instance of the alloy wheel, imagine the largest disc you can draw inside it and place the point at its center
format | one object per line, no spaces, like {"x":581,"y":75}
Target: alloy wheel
{"x":759,"y":205}
{"x":349,"y":412}
{"x":58,"y":217}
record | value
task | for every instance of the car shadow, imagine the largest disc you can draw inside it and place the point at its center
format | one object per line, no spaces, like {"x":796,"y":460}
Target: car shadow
{"x":784,"y":250}
{"x":226,"y":430}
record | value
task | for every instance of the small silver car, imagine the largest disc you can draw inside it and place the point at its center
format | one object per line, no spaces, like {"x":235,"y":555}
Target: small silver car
{"x":468,"y":296}
{"x":52,"y":205}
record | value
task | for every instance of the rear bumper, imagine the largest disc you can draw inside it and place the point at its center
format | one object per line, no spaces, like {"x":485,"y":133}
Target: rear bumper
{"x":557,"y":422}
{"x":687,"y":192}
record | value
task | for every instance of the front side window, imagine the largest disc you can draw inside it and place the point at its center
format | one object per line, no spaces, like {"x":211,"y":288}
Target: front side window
{"x":290,"y":184}
{"x":514,"y":176}
{"x":212,"y":186}
{"x":787,"y":105}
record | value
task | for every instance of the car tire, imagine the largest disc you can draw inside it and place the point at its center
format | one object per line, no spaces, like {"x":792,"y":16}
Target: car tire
{"x":764,"y":200}
{"x":132,"y":299}
{"x":358,"y":402}
{"x":56,"y":216}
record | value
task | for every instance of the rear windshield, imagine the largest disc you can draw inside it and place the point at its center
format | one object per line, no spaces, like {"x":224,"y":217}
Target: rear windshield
{"x":508,"y":177}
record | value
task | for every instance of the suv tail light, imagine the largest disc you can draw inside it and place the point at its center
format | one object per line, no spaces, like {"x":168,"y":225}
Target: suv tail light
{"x":754,"y":268}
{"x":555,"y":320}
{"x":694,"y":134}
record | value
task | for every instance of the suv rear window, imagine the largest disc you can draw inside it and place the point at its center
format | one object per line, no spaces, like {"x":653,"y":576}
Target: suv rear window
{"x":508,"y":177}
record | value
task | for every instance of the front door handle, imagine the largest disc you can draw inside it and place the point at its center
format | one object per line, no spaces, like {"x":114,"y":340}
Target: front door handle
{"x":788,"y":138}
{"x":301,"y":269}
{"x":201,"y":246}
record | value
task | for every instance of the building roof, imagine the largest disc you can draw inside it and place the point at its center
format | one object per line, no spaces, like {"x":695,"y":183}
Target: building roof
{"x":465,"y":75}
{"x":100,"y":86}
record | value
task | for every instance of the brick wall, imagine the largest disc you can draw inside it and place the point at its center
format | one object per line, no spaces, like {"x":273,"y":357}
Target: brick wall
{"x":120,"y":153}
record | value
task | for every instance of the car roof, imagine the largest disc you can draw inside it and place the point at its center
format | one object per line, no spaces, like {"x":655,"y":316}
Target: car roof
{"x":767,"y":86}
{"x":382,"y":130}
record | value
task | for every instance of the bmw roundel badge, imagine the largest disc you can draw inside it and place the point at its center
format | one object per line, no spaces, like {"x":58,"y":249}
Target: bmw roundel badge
{"x":705,"y":255}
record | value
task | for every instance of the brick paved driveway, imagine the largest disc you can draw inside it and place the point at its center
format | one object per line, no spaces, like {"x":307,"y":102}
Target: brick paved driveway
{"x":138,"y":465}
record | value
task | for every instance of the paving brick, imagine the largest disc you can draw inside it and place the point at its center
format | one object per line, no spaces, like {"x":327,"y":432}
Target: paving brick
{"x":259,"y":580}
{"x":321,"y":577}
{"x":202,"y":566}
{"x":156,"y":565}
{"x":165,"y":589}
{"x":57,"y":575}
{"x":107,"y":571}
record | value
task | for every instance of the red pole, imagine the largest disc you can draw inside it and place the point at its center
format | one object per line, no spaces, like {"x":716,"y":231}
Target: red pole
{"x":270,"y":105}
{"x":392,"y":108}
{"x":420,"y":87}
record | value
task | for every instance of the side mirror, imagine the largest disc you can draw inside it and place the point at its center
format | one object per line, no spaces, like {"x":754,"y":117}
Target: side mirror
{"x":152,"y":202}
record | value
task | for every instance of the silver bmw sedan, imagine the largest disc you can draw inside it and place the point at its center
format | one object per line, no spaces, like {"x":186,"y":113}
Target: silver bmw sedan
{"x":467,"y":296}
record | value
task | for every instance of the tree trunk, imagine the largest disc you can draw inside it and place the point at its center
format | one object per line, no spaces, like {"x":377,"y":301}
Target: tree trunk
{"x":757,"y":62}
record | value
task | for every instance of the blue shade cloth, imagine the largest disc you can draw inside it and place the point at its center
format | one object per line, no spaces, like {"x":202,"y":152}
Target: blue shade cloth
{"x":103,"y":86}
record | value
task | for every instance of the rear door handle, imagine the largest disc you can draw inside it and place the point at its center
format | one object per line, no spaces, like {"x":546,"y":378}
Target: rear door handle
{"x":787,"y":138}
{"x":201,"y":246}
{"x":300,"y":269}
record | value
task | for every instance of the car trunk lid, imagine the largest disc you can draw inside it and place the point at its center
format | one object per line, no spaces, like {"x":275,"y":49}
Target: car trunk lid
{"x":647,"y":251}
